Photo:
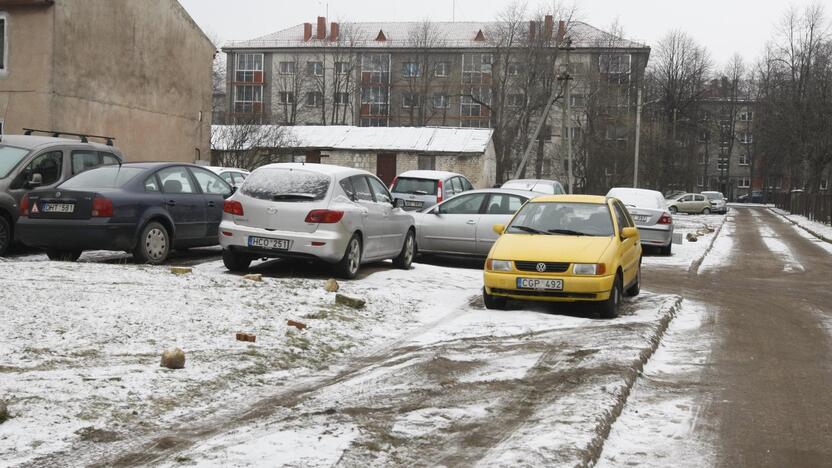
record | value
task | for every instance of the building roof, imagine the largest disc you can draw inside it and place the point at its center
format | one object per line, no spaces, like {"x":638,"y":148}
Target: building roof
{"x":448,"y":34}
{"x":398,"y":139}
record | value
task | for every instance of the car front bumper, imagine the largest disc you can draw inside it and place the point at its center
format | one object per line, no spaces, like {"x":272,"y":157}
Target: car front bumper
{"x":575,"y":288}
{"x":655,"y":236}
{"x":76,"y":234}
{"x":329,"y":245}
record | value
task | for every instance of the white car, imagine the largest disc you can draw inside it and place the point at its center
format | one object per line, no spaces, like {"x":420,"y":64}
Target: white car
{"x":717,"y":200}
{"x":649,"y":211}
{"x":548,"y":187}
{"x":422,"y":189}
{"x":232,"y":175}
{"x":342,"y":216}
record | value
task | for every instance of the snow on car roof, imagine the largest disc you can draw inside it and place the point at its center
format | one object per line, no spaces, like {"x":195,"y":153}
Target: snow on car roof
{"x":320,"y":168}
{"x":429,"y":174}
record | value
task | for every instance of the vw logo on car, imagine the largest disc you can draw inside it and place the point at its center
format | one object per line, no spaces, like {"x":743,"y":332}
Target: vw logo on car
{"x":541,"y":267}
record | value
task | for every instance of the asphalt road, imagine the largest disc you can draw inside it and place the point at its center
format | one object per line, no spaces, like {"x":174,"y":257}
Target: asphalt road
{"x":765,"y":388}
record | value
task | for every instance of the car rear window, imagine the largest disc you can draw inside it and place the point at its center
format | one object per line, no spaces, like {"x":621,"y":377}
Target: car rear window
{"x":713,"y":196}
{"x":102,"y":177}
{"x":414,"y":186}
{"x":290,"y":185}
{"x":10,"y":157}
{"x":638,"y":200}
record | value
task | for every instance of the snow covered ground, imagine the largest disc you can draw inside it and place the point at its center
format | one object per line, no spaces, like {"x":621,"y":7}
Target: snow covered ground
{"x":807,"y":226}
{"x":689,"y":254}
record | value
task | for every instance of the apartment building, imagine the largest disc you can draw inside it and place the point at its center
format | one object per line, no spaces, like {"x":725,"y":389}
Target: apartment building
{"x":454,"y":74}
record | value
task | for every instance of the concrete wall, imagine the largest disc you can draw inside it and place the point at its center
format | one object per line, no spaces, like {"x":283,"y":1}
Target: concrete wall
{"x":25,"y":82}
{"x":139,"y":71}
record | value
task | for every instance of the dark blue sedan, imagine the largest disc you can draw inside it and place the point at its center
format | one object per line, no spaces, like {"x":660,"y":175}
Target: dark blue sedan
{"x":143,"y":208}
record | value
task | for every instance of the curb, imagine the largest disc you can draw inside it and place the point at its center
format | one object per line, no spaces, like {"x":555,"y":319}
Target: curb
{"x":602,"y":430}
{"x":694,"y":267}
{"x":819,"y":236}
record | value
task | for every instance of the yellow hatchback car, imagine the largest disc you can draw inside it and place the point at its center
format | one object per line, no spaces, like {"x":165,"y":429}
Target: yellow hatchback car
{"x":565,"y":248}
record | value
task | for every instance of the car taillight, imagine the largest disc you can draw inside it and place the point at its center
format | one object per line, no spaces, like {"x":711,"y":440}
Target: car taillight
{"x":102,"y":207}
{"x":324,"y":216}
{"x":666,"y":219}
{"x":24,"y":206}
{"x":233,"y":207}
{"x":439,"y":192}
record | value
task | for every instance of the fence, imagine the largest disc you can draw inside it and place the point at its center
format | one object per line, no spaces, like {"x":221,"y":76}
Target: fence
{"x":815,"y":206}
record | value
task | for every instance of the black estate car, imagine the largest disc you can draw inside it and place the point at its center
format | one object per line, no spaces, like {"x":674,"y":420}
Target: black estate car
{"x":143,"y":208}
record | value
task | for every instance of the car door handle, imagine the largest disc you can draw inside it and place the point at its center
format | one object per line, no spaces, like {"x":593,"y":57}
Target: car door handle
{"x":170,"y":203}
{"x":211,"y":204}
{"x":471,"y":221}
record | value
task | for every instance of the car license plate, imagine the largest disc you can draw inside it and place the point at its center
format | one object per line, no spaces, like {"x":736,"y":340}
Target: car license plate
{"x":413,"y":203}
{"x":266,"y":243}
{"x":58,"y":208}
{"x":540,"y":284}
{"x":641,"y":218}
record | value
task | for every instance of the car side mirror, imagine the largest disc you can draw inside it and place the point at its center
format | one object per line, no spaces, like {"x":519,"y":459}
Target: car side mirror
{"x":629,"y":233}
{"x":233,"y":189}
{"x":35,"y":181}
{"x":398,"y":203}
{"x":499,"y":229}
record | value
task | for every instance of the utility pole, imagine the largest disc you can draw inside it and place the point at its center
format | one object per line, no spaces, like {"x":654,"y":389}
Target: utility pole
{"x":638,"y":138}
{"x":566,"y":78}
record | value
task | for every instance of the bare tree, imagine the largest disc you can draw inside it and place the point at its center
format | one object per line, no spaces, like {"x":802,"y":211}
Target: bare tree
{"x":248,"y":145}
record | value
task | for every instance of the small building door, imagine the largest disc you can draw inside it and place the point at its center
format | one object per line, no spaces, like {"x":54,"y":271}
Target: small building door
{"x":313,"y":157}
{"x":386,"y":167}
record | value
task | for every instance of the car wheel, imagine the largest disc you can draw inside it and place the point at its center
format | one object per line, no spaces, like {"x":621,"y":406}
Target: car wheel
{"x":5,"y":235}
{"x":493,"y":302}
{"x":635,"y":289}
{"x":63,"y":255}
{"x":706,"y":211}
{"x":666,"y":249}
{"x":236,"y":262}
{"x":347,"y":268}
{"x":609,"y":308}
{"x":673,"y":210}
{"x":154,"y":244}
{"x":405,"y":257}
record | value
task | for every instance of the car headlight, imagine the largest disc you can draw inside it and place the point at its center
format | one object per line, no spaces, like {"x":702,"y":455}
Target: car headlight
{"x":589,"y":269}
{"x":498,"y":265}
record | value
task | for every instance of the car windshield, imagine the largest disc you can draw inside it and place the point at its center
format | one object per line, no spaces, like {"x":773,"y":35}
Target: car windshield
{"x":284,"y":184}
{"x":564,"y":218}
{"x":102,"y":177}
{"x":414,"y":186}
{"x":10,"y":157}
{"x":635,"y":199}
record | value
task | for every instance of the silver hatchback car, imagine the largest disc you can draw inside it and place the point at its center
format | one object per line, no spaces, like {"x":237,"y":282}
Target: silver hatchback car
{"x":651,"y":215}
{"x":422,"y":189}
{"x":342,"y":216}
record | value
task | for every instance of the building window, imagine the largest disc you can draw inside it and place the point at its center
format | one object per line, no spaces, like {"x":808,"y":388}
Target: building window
{"x":743,"y":182}
{"x":248,"y":99}
{"x":287,"y":68}
{"x":315,"y":99}
{"x":702,"y":137}
{"x":342,"y":99}
{"x":703,"y":158}
{"x":441,"y":101}
{"x":744,"y":160}
{"x":315,"y":68}
{"x":577,"y":100}
{"x":616,"y":68}
{"x":722,"y":164}
{"x":516,"y":100}
{"x":616,"y":132}
{"x":700,"y":181}
{"x":4,"y":40}
{"x":411,"y":70}
{"x":576,"y":68}
{"x":286,"y":97}
{"x":575,"y":134}
{"x":746,"y":137}
{"x":476,"y":68}
{"x":410,"y":100}
{"x":824,"y":184}
{"x":442,"y":69}
{"x":746,"y":116}
{"x":249,"y":68}
{"x":342,"y":68}
{"x":513,"y":69}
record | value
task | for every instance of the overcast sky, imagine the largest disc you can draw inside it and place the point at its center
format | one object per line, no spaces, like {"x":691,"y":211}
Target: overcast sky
{"x":725,"y":27}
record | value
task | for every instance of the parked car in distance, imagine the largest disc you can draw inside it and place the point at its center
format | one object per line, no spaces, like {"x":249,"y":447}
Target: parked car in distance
{"x":422,"y":189}
{"x":28,"y":162}
{"x":753,"y":197}
{"x":692,"y":203}
{"x":548,"y":187}
{"x":342,"y":216}
{"x":649,"y":211}
{"x":233,"y":176}
{"x":144,"y":208}
{"x":717,"y":200}
{"x":565,"y":248}
{"x":463,"y":224}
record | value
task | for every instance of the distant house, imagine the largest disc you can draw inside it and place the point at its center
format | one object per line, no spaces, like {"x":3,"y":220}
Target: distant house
{"x":138,"y":71}
{"x":384,"y":151}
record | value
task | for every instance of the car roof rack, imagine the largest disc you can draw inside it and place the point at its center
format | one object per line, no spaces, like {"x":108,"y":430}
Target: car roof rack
{"x":83,"y":136}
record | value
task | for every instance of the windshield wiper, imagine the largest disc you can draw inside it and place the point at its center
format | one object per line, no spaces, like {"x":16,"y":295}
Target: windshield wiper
{"x":416,"y":192}
{"x":530,"y":230}
{"x":567,"y":232}
{"x":295,"y":196}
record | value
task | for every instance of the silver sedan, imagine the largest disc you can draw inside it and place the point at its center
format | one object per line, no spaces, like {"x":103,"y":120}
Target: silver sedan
{"x":462,"y":225}
{"x":651,"y":215}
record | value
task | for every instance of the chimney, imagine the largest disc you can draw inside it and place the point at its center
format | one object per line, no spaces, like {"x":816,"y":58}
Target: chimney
{"x":532,"y":30}
{"x":333,"y":32}
{"x":549,"y":23}
{"x":321,"y":28}
{"x":561,"y":31}
{"x":307,"y":32}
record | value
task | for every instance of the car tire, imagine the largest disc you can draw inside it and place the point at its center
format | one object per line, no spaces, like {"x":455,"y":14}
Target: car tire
{"x":63,"y":255}
{"x":347,"y":267}
{"x":493,"y":302}
{"x":610,"y":307}
{"x":673,"y":210}
{"x":405,"y":257}
{"x":706,"y":211}
{"x":666,"y":250}
{"x":5,"y":235}
{"x":153,"y":246}
{"x":238,"y":263}
{"x":635,"y":289}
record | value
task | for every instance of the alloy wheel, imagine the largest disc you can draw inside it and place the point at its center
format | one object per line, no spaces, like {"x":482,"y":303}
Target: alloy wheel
{"x":354,"y":256}
{"x":408,"y":249}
